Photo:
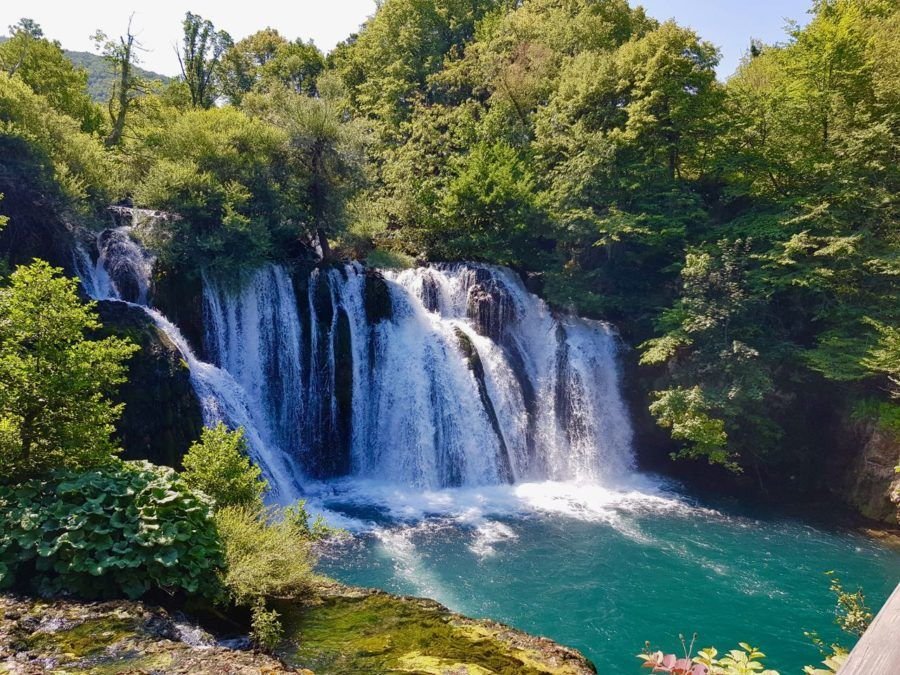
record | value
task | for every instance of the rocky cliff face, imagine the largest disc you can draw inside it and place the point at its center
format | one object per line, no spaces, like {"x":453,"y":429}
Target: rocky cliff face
{"x":162,"y":415}
{"x":35,"y":229}
{"x":867,"y":478}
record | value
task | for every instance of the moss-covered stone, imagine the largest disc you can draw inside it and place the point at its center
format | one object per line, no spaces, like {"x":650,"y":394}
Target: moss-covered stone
{"x":65,"y":636}
{"x":162,"y":415}
{"x":364,"y":631}
{"x":341,"y":630}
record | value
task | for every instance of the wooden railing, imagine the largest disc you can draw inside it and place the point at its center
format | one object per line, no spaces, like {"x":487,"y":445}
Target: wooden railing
{"x":878,"y":650}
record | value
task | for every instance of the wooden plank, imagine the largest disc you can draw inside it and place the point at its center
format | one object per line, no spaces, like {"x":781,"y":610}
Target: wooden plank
{"x":878,"y":650}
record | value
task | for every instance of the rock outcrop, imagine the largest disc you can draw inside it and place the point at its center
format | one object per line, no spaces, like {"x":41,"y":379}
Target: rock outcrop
{"x":356,"y":630}
{"x":162,"y":415}
{"x":870,"y":483}
{"x":341,"y":630}
{"x":115,"y":637}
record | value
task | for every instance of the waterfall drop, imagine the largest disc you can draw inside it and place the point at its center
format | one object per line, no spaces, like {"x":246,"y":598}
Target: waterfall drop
{"x":221,"y":398}
{"x":442,"y":376}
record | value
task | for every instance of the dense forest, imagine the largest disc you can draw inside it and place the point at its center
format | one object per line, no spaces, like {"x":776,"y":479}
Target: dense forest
{"x":743,"y":235}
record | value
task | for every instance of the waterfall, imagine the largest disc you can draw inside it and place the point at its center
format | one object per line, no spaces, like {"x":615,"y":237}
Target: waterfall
{"x":438,"y":376}
{"x":551,"y":399}
{"x":254,"y":335}
{"x":123,"y":267}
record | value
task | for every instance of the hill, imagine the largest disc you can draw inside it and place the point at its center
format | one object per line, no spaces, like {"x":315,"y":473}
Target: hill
{"x":99,"y":74}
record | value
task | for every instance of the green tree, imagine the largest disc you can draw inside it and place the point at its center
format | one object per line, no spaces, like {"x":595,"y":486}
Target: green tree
{"x":218,"y":465}
{"x":241,"y":64}
{"x":265,"y":59}
{"x":201,"y":50}
{"x":490,"y":206}
{"x":127,"y":85}
{"x":46,"y":148}
{"x":54,"y":380}
{"x":324,"y":156}
{"x":43,"y":66}
{"x":220,"y":169}
{"x":405,"y":42}
{"x":722,"y":401}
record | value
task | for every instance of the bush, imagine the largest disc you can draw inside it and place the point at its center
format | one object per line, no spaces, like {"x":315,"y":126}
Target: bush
{"x":119,"y":530}
{"x":298,"y":517}
{"x":218,"y":465}
{"x":265,"y":557}
{"x":266,"y":629}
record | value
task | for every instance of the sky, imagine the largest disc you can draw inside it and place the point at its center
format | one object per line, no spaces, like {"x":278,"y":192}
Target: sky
{"x":729,"y":24}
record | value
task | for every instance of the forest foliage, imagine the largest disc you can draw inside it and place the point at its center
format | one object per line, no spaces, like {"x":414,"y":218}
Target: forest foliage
{"x":743,"y":233}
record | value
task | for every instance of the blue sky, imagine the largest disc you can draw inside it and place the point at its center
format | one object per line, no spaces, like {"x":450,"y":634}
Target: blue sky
{"x":729,"y":24}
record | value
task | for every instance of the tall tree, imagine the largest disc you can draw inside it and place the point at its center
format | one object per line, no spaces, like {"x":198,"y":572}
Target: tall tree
{"x":127,"y":85}
{"x":24,"y":34}
{"x":202,"y":49}
{"x":267,"y":59}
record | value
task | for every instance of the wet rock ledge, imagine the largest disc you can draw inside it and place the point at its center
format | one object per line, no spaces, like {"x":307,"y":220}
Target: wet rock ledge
{"x":343,"y":630}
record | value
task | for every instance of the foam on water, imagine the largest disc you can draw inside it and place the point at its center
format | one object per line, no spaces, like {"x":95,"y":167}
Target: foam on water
{"x":474,"y":506}
{"x":488,"y":534}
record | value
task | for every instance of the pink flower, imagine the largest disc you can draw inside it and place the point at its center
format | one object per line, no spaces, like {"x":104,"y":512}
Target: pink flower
{"x":669,"y":663}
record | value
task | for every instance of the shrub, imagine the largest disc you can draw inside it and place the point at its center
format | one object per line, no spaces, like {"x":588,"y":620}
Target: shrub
{"x":265,"y":557}
{"x":218,"y":465}
{"x":266,"y":629}
{"x":118,"y":530}
{"x":298,"y":517}
{"x":80,"y":167}
{"x":54,"y":382}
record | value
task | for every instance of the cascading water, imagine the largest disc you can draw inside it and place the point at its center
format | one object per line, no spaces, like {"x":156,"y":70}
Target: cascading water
{"x":121,"y":272}
{"x":456,"y":376}
{"x":255,"y":336}
{"x":545,"y":390}
{"x":470,"y":380}
{"x":440,"y":376}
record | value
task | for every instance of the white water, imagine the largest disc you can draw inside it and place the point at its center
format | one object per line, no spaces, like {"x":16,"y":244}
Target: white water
{"x":221,"y":398}
{"x":472,"y":381}
{"x":254,"y":335}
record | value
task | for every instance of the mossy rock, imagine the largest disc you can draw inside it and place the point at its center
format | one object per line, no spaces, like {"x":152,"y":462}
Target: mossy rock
{"x":67,"y":636}
{"x":364,"y":631}
{"x":162,"y":415}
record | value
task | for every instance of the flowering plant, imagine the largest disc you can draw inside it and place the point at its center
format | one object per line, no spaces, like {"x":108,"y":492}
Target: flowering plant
{"x":744,"y":661}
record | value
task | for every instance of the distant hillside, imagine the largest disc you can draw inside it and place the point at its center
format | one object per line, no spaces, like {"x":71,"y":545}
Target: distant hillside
{"x":99,"y":73}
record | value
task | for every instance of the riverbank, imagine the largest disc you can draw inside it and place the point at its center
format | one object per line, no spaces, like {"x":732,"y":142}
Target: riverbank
{"x":341,"y":629}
